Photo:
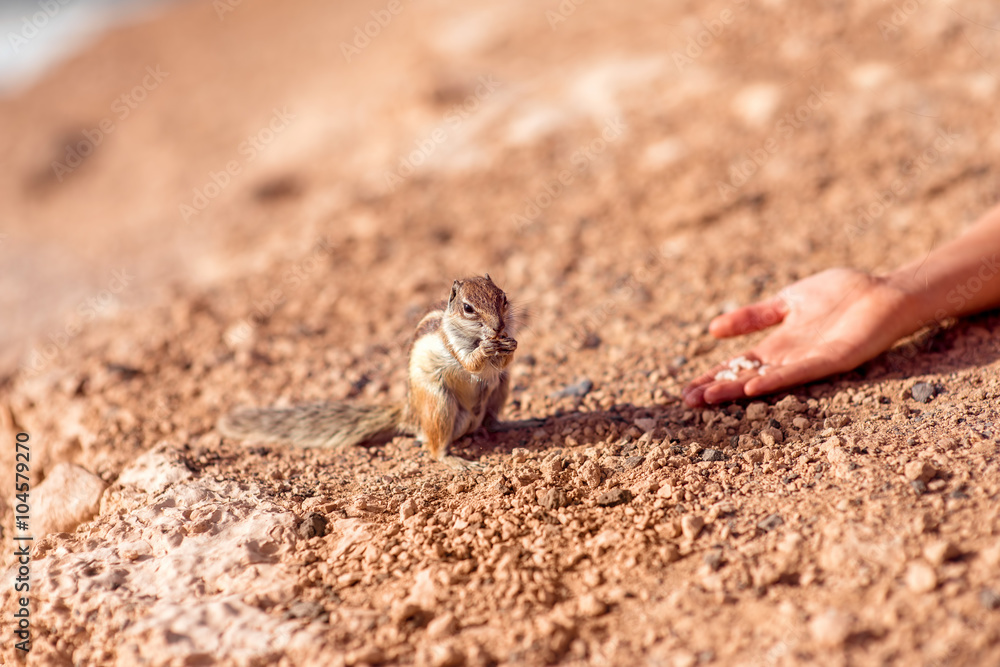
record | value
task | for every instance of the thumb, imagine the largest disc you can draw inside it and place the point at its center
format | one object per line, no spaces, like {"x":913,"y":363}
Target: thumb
{"x":748,"y":319}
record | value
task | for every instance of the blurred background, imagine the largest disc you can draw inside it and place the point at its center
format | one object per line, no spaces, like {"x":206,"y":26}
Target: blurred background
{"x":154,"y":150}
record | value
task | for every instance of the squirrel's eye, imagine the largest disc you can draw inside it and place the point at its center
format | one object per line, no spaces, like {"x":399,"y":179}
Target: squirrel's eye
{"x":469,"y":309}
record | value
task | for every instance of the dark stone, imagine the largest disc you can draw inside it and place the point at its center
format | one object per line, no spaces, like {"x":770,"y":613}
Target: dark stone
{"x":553,"y":499}
{"x":578,"y":389}
{"x":634,"y":461}
{"x":922,"y":392}
{"x":770,"y":523}
{"x":713,"y":559}
{"x":919,"y":486}
{"x":614,"y":497}
{"x":305,"y":610}
{"x":989,"y":598}
{"x":313,"y":525}
{"x":712,"y":455}
{"x":788,"y":479}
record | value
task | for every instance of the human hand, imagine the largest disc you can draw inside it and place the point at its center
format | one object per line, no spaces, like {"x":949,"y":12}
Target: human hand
{"x":828,"y":323}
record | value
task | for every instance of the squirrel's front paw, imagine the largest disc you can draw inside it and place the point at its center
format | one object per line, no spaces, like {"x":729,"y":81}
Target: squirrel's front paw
{"x":499,"y":346}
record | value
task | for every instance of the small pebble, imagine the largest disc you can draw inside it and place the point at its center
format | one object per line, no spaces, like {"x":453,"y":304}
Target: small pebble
{"x":791,"y":404}
{"x":920,"y":577}
{"x":940,"y":551}
{"x":634,"y":462}
{"x":713,"y":559}
{"x":770,"y":523}
{"x":442,"y":626}
{"x":313,"y":525}
{"x":614,"y":497}
{"x":553,"y":499}
{"x":919,"y":471}
{"x":989,"y":598}
{"x":922,"y":392}
{"x":712,"y":455}
{"x":691,"y":525}
{"x":578,"y":389}
{"x":801,"y":423}
{"x":771,"y":436}
{"x":831,"y":628}
{"x":407,"y":509}
{"x":756,"y":411}
{"x":369,"y":655}
{"x":446,"y":655}
{"x":590,"y":605}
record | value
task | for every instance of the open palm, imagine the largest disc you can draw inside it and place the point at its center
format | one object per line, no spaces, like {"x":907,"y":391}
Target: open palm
{"x":827,"y":323}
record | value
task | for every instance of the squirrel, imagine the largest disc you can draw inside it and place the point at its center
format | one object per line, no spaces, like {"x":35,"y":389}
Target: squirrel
{"x":457,"y":383}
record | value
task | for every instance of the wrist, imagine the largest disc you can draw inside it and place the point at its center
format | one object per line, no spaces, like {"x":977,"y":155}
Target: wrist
{"x":918,"y":304}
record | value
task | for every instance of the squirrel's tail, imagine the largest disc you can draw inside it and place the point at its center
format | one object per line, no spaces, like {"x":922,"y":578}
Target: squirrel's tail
{"x":331,"y":425}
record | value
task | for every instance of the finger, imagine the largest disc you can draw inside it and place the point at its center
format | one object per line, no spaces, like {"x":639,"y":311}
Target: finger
{"x":749,"y":318}
{"x":694,"y":397}
{"x":729,"y":390}
{"x":789,"y":375}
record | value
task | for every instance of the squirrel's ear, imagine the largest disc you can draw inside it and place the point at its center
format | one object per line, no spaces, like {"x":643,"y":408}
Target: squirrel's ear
{"x":454,"y":291}
{"x":488,"y":277}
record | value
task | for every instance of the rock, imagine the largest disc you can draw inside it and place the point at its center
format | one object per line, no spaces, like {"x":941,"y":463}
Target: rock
{"x":553,"y":499}
{"x":837,"y":455}
{"x":771,"y":436}
{"x":712,"y":455}
{"x":368,"y":655}
{"x":919,"y":471}
{"x":443,"y":626}
{"x":691,"y":525}
{"x":713,"y":559}
{"x":69,"y":496}
{"x":922,"y":392}
{"x":614,"y":497}
{"x":989,"y":598}
{"x":791,"y":404}
{"x":920,"y":577}
{"x":757,"y":455}
{"x":645,"y":424}
{"x":940,"y":551}
{"x":756,"y":411}
{"x":634,"y":462}
{"x":836,"y":421}
{"x":578,"y":389}
{"x":303,"y":609}
{"x":590,"y":605}
{"x":313,"y":525}
{"x":590,"y":474}
{"x":445,"y":655}
{"x":801,"y":423}
{"x":770,"y":523}
{"x":407,"y":509}
{"x":831,"y":628}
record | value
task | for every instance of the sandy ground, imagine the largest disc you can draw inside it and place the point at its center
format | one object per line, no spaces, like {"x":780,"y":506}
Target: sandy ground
{"x":239,"y":204}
